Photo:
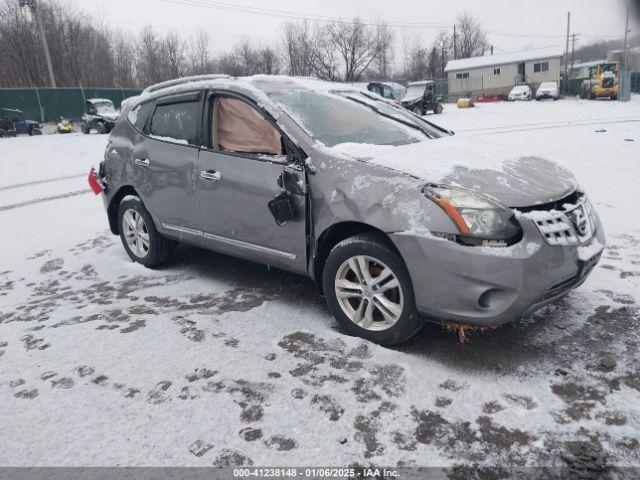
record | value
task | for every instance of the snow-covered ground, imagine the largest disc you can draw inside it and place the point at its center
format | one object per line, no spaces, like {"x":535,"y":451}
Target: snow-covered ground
{"x":216,"y":361}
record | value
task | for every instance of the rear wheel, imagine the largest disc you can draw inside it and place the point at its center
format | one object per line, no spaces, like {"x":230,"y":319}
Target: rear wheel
{"x":140,"y":238}
{"x":369,"y":291}
{"x":438,"y":108}
{"x":101,"y":128}
{"x":418,"y":110}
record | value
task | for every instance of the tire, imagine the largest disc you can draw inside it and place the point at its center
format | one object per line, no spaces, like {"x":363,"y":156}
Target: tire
{"x":418,"y":110}
{"x":35,"y":131}
{"x":401,"y":321}
{"x":84,"y":128}
{"x":157,"y":249}
{"x":101,"y":128}
{"x":438,"y":108}
{"x":3,"y":133}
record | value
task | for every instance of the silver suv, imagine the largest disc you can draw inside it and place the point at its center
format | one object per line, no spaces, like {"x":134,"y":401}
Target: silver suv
{"x":396,"y":220}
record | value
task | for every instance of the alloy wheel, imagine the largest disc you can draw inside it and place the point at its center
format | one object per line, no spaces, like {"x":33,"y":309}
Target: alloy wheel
{"x":369,"y":293}
{"x":135,"y":233}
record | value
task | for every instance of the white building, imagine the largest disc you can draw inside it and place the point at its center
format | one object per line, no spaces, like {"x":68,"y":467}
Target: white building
{"x":498,"y":74}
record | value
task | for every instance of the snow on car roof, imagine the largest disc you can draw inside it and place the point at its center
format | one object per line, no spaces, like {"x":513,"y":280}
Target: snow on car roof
{"x":513,"y":57}
{"x":99,"y":100}
{"x":256,"y":85}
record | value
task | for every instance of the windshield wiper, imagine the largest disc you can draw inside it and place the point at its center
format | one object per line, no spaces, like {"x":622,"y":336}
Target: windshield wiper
{"x":408,"y":123}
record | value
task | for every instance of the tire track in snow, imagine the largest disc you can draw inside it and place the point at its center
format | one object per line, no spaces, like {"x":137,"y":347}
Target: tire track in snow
{"x":4,"y":208}
{"x":545,"y":126}
{"x":38,"y":182}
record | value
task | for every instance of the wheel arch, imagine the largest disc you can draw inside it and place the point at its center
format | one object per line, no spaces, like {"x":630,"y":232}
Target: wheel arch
{"x":114,"y":204}
{"x":336,"y":233}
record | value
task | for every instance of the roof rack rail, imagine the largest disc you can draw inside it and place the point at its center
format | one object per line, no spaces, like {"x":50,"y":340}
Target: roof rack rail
{"x":180,"y":81}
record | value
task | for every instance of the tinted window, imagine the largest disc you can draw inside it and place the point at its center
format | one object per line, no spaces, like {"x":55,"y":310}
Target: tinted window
{"x":177,"y":121}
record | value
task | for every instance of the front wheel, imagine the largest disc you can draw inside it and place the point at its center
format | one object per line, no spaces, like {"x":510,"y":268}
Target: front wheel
{"x":140,"y":238}
{"x":438,"y":108}
{"x":369,"y":291}
{"x":418,"y":110}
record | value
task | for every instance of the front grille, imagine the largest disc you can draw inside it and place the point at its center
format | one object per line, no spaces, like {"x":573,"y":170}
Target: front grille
{"x":569,"y":221}
{"x":556,"y":231}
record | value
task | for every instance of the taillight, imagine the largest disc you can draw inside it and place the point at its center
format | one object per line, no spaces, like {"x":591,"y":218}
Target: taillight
{"x":94,"y":183}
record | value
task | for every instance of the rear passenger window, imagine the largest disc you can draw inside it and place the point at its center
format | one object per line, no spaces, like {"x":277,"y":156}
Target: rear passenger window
{"x":138,"y":115}
{"x":176,"y":122}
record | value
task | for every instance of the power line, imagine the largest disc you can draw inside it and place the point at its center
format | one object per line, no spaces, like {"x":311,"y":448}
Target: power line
{"x":296,"y":15}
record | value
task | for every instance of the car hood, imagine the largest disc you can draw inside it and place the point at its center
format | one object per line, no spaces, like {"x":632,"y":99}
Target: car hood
{"x":410,"y":99}
{"x":515,"y":179}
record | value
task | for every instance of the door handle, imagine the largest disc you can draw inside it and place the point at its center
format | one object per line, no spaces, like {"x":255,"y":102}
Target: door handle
{"x":141,"y":162}
{"x":211,"y":175}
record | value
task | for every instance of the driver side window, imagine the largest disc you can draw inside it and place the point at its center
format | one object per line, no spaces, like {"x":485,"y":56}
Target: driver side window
{"x":239,"y":128}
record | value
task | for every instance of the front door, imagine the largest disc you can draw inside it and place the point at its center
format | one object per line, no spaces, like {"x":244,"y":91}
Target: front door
{"x":237,"y":178}
{"x":165,"y":161}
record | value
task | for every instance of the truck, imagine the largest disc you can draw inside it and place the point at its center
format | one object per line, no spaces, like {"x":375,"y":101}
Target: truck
{"x":602,"y":82}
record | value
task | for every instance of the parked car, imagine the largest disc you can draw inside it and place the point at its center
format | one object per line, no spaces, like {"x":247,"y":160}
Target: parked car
{"x":64,"y":126}
{"x":421,"y":98}
{"x":520,"y":92}
{"x":100,"y":115}
{"x":396,"y":220}
{"x":382,"y":89}
{"x":13,"y":122}
{"x":547,"y":90}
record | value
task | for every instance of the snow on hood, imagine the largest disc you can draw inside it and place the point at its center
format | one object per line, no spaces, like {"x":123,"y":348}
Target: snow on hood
{"x":476,"y":163}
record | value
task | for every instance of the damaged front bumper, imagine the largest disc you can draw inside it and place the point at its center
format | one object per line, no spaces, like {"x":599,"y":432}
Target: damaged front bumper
{"x":490,"y":286}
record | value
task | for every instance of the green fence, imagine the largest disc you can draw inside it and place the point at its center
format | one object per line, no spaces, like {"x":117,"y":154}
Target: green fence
{"x":49,"y":104}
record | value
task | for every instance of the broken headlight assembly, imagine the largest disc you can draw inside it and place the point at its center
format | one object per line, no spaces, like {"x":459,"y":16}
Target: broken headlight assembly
{"x":479,"y":220}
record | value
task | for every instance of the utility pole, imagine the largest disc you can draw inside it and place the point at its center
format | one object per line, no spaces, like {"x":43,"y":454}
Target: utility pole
{"x":566,"y":54}
{"x":32,"y":4}
{"x":573,"y":48}
{"x":455,"y":44}
{"x":625,"y":51}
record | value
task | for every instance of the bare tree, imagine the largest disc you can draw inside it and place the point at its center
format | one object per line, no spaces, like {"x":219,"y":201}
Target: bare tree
{"x":383,"y":41}
{"x":415,"y":65}
{"x":440,"y":54}
{"x":355,"y":45}
{"x":199,"y":53}
{"x":173,"y":50}
{"x":124,"y":60}
{"x":471,"y":39}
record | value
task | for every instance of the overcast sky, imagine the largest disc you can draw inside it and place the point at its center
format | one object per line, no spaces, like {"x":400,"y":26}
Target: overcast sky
{"x":513,"y":25}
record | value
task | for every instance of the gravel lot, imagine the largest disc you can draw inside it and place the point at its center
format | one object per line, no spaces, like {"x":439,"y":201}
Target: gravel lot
{"x":216,"y":361}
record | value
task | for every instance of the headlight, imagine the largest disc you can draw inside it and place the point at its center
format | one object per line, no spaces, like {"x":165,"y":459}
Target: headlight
{"x":476,"y":217}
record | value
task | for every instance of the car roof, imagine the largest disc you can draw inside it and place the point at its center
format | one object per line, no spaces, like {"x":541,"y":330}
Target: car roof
{"x":255,"y":86}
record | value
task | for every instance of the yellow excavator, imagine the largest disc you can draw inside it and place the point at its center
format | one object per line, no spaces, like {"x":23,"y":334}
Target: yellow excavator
{"x":602,"y":82}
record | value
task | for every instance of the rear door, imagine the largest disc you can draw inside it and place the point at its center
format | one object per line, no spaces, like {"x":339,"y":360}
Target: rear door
{"x":164,"y":162}
{"x":237,"y":177}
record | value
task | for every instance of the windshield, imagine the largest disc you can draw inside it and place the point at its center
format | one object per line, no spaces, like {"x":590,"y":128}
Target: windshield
{"x":520,"y":89}
{"x":104,"y":107}
{"x":333,"y":119}
{"x":414,"y":91}
{"x":399,"y":114}
{"x":548,"y":85}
